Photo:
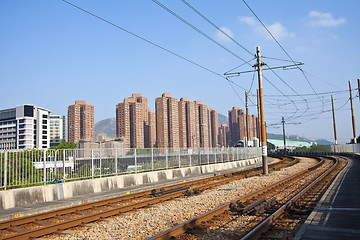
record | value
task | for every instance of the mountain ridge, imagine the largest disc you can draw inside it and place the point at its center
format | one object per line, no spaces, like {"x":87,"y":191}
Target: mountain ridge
{"x":107,"y":127}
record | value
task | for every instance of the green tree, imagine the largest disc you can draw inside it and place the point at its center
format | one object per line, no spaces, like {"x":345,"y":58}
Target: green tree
{"x":65,"y":145}
{"x":314,"y":148}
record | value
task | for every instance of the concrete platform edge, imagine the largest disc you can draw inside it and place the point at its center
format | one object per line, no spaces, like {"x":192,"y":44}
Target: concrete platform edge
{"x":308,"y":221}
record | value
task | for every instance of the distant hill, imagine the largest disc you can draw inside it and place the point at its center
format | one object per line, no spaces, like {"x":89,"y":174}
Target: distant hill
{"x":323,"y":142}
{"x":290,"y":137}
{"x":222,"y":119}
{"x":106,"y":127}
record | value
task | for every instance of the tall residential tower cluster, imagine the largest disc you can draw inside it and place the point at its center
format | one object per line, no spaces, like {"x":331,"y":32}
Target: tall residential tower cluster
{"x":175,"y":124}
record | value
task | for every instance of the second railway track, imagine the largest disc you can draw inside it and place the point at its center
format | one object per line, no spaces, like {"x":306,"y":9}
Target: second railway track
{"x":229,"y":221}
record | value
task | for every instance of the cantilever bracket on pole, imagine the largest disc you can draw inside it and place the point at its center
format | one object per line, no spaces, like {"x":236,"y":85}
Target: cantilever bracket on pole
{"x":249,"y":71}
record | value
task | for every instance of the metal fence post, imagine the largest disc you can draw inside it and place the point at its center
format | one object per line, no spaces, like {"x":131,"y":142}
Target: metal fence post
{"x":190,"y":156}
{"x":116,"y":167}
{"x":166,"y":158}
{"x":179,"y":159}
{"x":199,"y":157}
{"x":55,"y":164}
{"x":135,"y":160}
{"x":152,"y":159}
{"x":228,"y":154}
{"x":215,"y":154}
{"x":44,"y":161}
{"x":100,"y":160}
{"x":92,"y":164}
{"x":222,"y":155}
{"x":208,"y":156}
{"x":64,"y":169}
{"x":5,"y":169}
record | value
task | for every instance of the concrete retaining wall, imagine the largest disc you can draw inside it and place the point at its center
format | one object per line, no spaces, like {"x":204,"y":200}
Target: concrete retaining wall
{"x":32,"y":195}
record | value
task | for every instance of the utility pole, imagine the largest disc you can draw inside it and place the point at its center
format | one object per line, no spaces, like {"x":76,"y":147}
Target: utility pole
{"x":352,"y":114}
{"x":359,"y":88}
{"x":258,"y":109}
{"x":333,"y":112}
{"x":262,"y":135}
{"x":283,"y":123}
{"x":263,"y":131}
{"x":247,"y":120}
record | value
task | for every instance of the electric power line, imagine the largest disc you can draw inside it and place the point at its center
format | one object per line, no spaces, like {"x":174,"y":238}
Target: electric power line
{"x":281,"y":46}
{"x":215,"y":26}
{"x":196,"y":29}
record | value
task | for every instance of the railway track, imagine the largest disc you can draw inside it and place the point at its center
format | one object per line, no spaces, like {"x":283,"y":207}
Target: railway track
{"x":251,"y":216}
{"x":58,"y":220}
{"x":296,"y":210}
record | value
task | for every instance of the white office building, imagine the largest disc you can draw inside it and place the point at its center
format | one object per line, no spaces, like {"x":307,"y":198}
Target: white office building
{"x":24,"y":127}
{"x":58,"y":129}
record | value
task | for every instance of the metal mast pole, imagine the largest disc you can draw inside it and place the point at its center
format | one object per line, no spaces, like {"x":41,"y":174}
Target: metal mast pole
{"x":263,"y":131}
{"x":247,"y":120}
{"x":352,"y":114}
{"x":333,"y":112}
{"x":283,"y":123}
{"x":359,"y":88}
{"x":259,"y":120}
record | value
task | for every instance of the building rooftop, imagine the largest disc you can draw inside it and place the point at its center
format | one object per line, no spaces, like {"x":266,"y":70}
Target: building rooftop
{"x":277,"y":142}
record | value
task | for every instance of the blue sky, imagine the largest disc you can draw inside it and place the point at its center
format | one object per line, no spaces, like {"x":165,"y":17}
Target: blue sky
{"x":52,"y":54}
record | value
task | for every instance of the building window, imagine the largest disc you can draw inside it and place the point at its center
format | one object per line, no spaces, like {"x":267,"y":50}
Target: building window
{"x":28,"y":111}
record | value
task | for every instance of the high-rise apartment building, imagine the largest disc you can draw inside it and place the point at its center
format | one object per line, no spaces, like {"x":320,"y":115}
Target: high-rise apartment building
{"x":24,"y":127}
{"x":189,"y":131}
{"x":183,"y":141}
{"x":132,"y":121}
{"x":214,"y":120}
{"x":203,"y":124}
{"x":237,"y":125}
{"x":254,"y":128}
{"x":167,"y":121}
{"x":81,"y":122}
{"x":150,"y":135}
{"x":224,"y":135}
{"x":58,"y":129}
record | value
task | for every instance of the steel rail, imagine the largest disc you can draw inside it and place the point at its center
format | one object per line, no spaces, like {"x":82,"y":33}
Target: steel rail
{"x":54,"y":227}
{"x":265,"y":225}
{"x":181,"y":228}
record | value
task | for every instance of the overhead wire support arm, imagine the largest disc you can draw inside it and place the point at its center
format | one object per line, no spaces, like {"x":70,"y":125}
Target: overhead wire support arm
{"x":263,"y":69}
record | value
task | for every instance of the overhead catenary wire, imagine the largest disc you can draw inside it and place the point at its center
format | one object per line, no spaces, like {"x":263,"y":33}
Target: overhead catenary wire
{"x":197,"y":29}
{"x":154,"y":44}
{"x":215,"y":26}
{"x":280,"y":46}
{"x":211,"y":39}
{"x":291,"y":98}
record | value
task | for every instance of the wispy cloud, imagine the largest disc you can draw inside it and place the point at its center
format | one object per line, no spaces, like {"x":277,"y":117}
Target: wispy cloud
{"x":222,"y":37}
{"x":278,"y":30}
{"x":319,"y":19}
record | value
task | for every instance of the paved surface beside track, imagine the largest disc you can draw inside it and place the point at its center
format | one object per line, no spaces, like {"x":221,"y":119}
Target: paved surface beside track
{"x":337,"y":215}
